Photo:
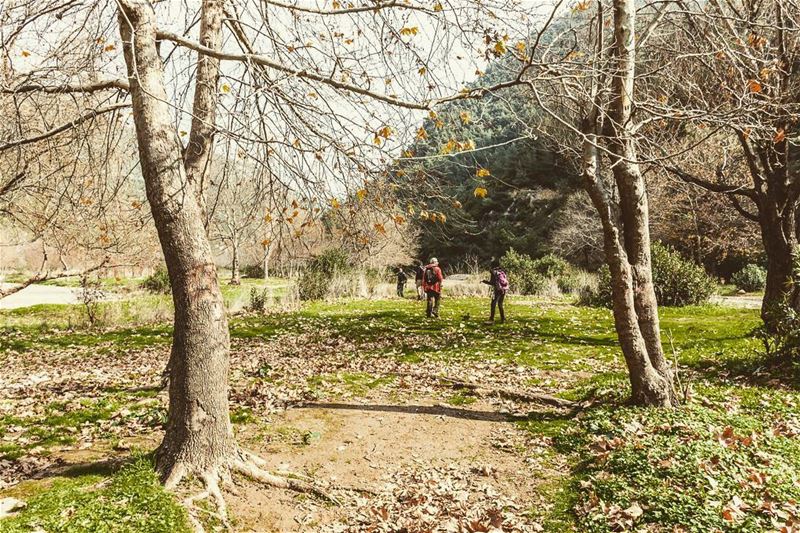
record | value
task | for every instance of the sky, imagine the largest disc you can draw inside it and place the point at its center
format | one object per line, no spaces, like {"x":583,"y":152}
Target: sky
{"x":408,"y":53}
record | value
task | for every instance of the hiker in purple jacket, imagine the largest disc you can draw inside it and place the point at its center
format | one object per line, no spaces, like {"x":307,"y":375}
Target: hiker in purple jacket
{"x":498,"y":280}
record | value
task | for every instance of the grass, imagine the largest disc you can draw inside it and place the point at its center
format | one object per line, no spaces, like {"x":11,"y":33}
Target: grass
{"x":137,"y":320}
{"x":131,"y":500}
{"x":354,"y":383}
{"x":704,"y":467}
{"x":60,"y":424}
{"x":728,"y":460}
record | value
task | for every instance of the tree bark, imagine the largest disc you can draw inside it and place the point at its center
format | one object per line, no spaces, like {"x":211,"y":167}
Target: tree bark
{"x":625,"y":220}
{"x":779,"y":235}
{"x":197,"y":155}
{"x":235,"y":277}
{"x":650,"y":385}
{"x":198,"y":435}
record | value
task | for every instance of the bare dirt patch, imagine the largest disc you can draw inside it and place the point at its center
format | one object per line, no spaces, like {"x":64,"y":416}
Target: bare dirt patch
{"x":460,"y":467}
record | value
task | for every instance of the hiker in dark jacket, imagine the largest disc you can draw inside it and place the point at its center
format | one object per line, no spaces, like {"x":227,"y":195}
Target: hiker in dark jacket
{"x":401,"y":282}
{"x":432,"y":283}
{"x":419,"y":271}
{"x":498,"y":280}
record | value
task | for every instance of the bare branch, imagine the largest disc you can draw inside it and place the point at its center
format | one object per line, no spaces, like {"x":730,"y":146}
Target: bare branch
{"x":64,"y":127}
{"x":350,"y":10}
{"x":11,"y":184}
{"x":267,"y":62}
{"x":711,"y":186}
{"x":328,"y":80}
{"x":102,"y":85}
{"x":740,"y":208}
{"x":44,"y":276}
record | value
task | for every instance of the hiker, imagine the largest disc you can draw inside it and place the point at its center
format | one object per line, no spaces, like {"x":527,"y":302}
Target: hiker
{"x":419,"y":271}
{"x":498,"y":280}
{"x":401,"y":282}
{"x":432,"y":283}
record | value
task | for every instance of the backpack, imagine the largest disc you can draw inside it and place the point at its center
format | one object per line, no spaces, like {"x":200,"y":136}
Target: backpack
{"x":501,"y":281}
{"x":430,"y":276}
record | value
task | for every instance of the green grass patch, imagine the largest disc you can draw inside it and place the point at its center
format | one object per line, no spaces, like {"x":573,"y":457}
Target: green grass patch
{"x":461,"y":398}
{"x":131,"y":501}
{"x":60,"y":424}
{"x":729,"y":460}
{"x":356,"y":383}
{"x":711,"y":465}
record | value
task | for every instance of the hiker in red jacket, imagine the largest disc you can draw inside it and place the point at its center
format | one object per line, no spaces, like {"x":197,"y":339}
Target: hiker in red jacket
{"x":432,"y":283}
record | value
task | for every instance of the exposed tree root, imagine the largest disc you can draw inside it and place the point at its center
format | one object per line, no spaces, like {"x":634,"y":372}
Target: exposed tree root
{"x":249,"y":465}
{"x":255,"y":472}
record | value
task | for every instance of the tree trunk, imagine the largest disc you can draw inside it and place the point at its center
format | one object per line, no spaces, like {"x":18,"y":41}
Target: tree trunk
{"x":649,"y":385}
{"x":625,"y":220}
{"x":779,"y":236}
{"x":197,"y":155}
{"x":267,"y":254}
{"x":235,"y":277}
{"x":198,"y":434}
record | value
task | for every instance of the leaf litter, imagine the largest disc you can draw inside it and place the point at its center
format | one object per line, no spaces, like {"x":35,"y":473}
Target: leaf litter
{"x":269,"y":376}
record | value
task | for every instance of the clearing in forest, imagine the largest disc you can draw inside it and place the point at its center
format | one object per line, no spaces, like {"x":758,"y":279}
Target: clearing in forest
{"x":366,"y":399}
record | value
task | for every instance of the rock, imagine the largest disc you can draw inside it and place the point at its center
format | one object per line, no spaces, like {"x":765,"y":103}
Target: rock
{"x":9,"y":506}
{"x":740,"y":291}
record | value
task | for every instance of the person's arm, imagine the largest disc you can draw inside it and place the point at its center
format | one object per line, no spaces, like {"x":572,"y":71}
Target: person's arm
{"x":492,"y":278}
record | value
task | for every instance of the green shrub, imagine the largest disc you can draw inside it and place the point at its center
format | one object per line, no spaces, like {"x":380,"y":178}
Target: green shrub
{"x":258,"y":300}
{"x":157,"y":282}
{"x":531,"y":276}
{"x":751,"y":278}
{"x":571,"y":282}
{"x":319,"y":273}
{"x":255,"y":271}
{"x":552,"y":266}
{"x":601,"y":295}
{"x":678,"y":282}
{"x":523,"y":277}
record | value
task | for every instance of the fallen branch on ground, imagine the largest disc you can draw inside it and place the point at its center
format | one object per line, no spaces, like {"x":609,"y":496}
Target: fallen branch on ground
{"x":509,"y":394}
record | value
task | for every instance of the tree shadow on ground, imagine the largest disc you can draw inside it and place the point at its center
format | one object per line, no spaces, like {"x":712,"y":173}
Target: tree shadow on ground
{"x":90,"y":389}
{"x":756,"y":370}
{"x":437,"y":410}
{"x":100,"y":467}
{"x":577,"y":340}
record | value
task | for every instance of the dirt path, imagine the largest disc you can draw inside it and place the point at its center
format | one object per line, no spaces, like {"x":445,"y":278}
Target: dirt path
{"x":424,"y":461}
{"x":43,"y":294}
{"x":745,"y":301}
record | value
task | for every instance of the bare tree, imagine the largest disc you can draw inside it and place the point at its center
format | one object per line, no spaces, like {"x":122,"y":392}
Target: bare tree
{"x":316,"y":112}
{"x":238,"y":212}
{"x":585,"y":79}
{"x":729,"y":93}
{"x":624,"y":215}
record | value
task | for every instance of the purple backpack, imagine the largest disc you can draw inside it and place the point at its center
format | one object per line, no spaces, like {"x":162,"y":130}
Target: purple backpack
{"x":501,"y":281}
